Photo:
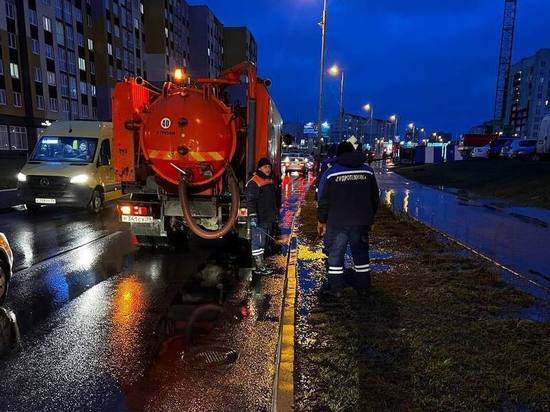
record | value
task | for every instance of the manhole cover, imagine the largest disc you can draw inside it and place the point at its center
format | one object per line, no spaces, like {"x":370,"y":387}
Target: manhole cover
{"x":211,"y":357}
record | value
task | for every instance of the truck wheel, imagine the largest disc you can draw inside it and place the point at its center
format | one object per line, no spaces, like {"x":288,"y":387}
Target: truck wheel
{"x":96,"y":202}
{"x":3,"y":284}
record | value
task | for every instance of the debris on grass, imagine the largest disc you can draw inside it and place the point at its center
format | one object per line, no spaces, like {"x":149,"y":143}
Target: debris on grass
{"x":433,"y":335}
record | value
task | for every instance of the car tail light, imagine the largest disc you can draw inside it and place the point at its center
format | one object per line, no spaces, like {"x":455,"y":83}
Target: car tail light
{"x":134,"y":210}
{"x":243,"y":212}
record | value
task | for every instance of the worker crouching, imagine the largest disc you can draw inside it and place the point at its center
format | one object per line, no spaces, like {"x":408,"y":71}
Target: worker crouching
{"x":348,"y":200}
{"x":262,"y":212}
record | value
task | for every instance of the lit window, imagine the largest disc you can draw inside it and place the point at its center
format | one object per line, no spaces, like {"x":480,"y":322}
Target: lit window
{"x":81,"y":63}
{"x":51,"y":78}
{"x":109,"y":49}
{"x":14,"y":71}
{"x":47,"y":24}
{"x":90,"y":44}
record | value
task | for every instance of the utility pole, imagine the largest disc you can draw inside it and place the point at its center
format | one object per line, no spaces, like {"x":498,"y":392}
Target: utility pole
{"x":323,"y":25}
{"x":505,"y":59}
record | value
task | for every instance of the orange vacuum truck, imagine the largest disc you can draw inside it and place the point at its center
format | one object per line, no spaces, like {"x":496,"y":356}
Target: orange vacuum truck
{"x":184,"y":152}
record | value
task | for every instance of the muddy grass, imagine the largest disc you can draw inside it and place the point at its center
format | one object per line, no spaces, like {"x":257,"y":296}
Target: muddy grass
{"x":436,"y":333}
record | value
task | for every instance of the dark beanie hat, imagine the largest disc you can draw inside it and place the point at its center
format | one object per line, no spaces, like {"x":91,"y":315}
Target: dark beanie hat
{"x":264,"y":161}
{"x":344,"y":147}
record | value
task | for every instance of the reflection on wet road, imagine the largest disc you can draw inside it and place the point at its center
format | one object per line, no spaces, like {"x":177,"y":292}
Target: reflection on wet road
{"x":519,"y":244}
{"x":89,"y":305}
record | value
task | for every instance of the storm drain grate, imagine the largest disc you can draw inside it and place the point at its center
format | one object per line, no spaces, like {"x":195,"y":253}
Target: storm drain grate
{"x":211,"y":357}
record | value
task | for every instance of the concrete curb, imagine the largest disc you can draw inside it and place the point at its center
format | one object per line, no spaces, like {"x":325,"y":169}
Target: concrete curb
{"x":283,"y":390}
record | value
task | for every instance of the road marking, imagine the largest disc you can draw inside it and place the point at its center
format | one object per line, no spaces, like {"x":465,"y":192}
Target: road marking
{"x":283,"y":391}
{"x":8,"y":190}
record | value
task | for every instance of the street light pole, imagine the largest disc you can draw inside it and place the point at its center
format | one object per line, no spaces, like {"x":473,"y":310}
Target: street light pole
{"x":341,"y":104}
{"x":323,"y":25}
{"x":370,"y":108}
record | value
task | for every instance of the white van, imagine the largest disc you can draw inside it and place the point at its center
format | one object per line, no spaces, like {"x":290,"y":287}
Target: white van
{"x":70,"y":166}
{"x":543,"y":144}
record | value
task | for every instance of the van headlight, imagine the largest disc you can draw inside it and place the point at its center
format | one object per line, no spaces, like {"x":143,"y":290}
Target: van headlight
{"x":79,"y":179}
{"x":21,"y":177}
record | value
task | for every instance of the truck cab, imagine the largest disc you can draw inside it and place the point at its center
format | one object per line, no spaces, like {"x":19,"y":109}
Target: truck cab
{"x":70,"y":166}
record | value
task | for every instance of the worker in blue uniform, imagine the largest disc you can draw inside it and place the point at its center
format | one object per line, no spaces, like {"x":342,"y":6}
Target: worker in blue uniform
{"x":348,"y":199}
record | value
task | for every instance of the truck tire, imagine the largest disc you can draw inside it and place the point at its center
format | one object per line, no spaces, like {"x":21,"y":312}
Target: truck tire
{"x":96,"y":202}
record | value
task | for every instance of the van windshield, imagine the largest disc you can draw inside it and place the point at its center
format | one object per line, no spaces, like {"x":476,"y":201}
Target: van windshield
{"x":65,"y":149}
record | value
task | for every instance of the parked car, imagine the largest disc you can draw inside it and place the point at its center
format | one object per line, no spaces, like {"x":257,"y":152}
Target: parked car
{"x":294,"y":162}
{"x":543,"y":144}
{"x":520,"y":149}
{"x":498,"y":145}
{"x":481,"y":152}
{"x":6,"y":267}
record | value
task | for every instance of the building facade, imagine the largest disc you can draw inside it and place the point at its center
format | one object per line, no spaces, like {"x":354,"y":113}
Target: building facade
{"x":206,"y":43}
{"x":118,"y":38}
{"x":239,"y":45}
{"x":60,"y":59}
{"x":168,"y":48}
{"x":362,"y":128}
{"x":529,"y":94}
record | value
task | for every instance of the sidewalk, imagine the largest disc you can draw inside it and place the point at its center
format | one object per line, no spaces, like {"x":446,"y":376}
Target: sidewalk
{"x":440,"y":330}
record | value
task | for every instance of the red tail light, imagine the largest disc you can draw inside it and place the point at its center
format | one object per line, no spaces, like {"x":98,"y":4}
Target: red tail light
{"x":134,"y":210}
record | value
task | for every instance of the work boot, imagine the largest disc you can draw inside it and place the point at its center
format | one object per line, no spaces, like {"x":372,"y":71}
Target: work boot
{"x":362,"y":283}
{"x":333,"y":287}
{"x":259,"y":266}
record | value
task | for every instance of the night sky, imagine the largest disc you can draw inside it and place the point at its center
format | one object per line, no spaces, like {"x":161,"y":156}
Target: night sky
{"x":433,"y":62}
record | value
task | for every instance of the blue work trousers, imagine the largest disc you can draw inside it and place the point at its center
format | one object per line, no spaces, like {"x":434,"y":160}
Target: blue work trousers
{"x":259,"y":238}
{"x":337,"y":240}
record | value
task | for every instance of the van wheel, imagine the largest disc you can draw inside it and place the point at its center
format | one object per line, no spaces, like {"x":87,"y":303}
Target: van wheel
{"x":536,"y":157}
{"x":32,"y":208}
{"x":96,"y":202}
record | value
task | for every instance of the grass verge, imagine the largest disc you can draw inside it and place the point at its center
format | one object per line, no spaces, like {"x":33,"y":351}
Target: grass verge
{"x":440,"y":331}
{"x":522,"y":182}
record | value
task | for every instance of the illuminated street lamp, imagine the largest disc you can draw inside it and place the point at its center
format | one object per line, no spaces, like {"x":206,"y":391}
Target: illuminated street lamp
{"x":411,"y":126}
{"x":335,"y":71}
{"x":395,"y":119}
{"x":369,"y":108}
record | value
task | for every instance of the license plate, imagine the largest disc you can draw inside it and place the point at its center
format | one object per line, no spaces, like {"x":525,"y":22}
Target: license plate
{"x":137,"y":219}
{"x":43,"y":201}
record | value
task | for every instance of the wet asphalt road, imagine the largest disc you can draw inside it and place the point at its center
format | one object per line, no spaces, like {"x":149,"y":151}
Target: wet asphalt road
{"x":517,"y":238}
{"x":89,"y":303}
